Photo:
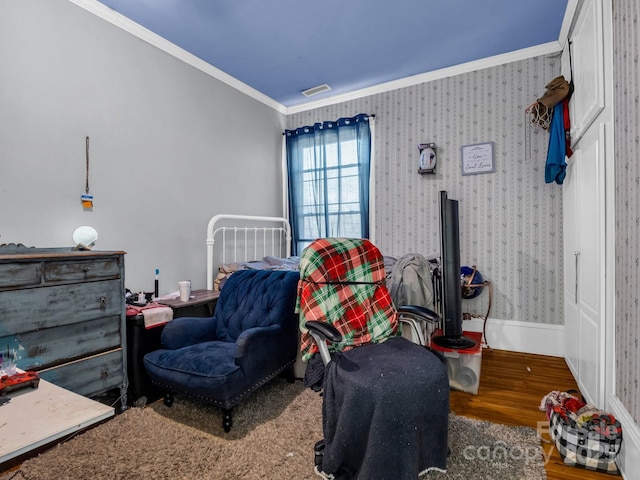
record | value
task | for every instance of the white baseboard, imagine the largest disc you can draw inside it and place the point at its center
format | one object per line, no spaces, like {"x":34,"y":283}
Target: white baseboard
{"x":629,"y":457}
{"x":525,"y":337}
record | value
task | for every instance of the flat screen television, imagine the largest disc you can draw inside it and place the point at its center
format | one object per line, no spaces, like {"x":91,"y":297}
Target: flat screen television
{"x":451,"y":289}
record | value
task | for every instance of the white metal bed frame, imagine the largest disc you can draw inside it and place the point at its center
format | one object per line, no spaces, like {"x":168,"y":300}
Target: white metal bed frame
{"x":245,"y":238}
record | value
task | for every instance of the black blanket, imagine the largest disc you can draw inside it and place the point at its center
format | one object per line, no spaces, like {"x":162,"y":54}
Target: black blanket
{"x":385,"y":412}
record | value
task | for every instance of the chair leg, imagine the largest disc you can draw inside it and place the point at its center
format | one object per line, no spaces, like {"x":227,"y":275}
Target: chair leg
{"x":227,"y":419}
{"x":318,"y":453}
{"x":290,"y":374}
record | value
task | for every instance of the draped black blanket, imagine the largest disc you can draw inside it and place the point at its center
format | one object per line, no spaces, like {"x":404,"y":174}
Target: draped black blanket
{"x":385,"y":412}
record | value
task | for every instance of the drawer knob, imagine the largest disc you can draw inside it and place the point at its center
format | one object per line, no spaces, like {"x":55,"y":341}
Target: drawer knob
{"x":104,"y":373}
{"x":103,"y":302}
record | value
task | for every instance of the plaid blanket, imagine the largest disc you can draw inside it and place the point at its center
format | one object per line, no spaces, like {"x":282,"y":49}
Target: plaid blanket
{"x":342,"y":282}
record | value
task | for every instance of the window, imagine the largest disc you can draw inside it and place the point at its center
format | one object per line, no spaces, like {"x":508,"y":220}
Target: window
{"x":328,"y":168}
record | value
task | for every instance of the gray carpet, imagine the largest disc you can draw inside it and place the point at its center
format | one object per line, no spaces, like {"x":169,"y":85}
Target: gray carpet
{"x":272,"y":438}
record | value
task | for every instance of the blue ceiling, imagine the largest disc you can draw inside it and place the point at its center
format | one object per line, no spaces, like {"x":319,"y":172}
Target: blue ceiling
{"x":282,"y":47}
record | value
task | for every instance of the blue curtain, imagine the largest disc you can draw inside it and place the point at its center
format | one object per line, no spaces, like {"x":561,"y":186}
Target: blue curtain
{"x":328,"y":167}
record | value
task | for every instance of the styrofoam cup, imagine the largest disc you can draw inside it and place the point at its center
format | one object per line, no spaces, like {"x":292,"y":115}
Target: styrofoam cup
{"x":185,"y":290}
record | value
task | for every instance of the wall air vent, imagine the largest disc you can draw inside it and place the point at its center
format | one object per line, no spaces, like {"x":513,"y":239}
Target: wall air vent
{"x":309,"y":92}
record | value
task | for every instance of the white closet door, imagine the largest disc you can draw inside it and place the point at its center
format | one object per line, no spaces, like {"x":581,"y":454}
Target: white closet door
{"x":584,"y":205}
{"x":571,"y":260}
{"x":590,"y":274}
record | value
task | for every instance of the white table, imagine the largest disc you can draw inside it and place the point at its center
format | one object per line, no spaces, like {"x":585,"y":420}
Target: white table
{"x":35,"y":417}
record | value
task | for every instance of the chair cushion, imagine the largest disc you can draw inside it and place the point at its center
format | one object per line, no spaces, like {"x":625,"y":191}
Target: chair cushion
{"x":207,"y":359}
{"x":205,"y":369}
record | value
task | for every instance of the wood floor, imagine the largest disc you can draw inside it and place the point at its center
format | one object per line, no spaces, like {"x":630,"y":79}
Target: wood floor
{"x":511,"y":388}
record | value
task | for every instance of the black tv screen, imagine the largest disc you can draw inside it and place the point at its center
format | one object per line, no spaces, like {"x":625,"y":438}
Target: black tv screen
{"x":451,"y":310}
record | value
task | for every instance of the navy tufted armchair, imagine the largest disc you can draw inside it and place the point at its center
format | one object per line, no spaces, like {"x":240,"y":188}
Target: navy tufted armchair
{"x":251,"y":338}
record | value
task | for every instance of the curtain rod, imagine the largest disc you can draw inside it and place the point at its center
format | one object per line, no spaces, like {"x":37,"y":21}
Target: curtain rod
{"x":369,"y":115}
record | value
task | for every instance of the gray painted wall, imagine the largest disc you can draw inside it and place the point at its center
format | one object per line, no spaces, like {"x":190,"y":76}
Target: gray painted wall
{"x":510,"y":220}
{"x":169,"y":145}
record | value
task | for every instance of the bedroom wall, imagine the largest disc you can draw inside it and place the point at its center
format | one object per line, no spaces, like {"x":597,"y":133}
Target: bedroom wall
{"x":627,"y":179}
{"x":511,"y":221}
{"x":169,"y":145}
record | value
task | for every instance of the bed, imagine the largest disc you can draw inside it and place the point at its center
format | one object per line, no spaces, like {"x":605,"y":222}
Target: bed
{"x":241,"y":242}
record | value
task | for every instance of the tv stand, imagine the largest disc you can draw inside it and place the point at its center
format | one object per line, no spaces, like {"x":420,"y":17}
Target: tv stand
{"x":457,"y":342}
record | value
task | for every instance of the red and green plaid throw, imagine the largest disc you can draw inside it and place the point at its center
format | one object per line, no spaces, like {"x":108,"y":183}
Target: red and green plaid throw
{"x":342,"y":282}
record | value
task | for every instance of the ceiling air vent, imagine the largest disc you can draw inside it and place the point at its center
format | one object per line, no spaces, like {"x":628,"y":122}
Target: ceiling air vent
{"x":309,"y":92}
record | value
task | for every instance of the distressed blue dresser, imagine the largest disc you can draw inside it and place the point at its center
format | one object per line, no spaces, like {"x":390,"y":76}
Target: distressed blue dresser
{"x":62,"y":314}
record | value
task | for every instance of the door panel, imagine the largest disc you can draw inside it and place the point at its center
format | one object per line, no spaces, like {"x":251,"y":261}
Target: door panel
{"x":589,"y":225}
{"x":587,"y":50}
{"x":571,"y":258}
{"x":584,"y":321}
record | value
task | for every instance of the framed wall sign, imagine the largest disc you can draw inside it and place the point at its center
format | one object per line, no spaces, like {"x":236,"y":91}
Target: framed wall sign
{"x":477,"y":158}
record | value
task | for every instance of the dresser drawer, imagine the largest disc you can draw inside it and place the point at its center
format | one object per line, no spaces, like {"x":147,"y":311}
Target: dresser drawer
{"x":81,"y":270}
{"x":20,"y":274}
{"x":32,"y":309}
{"x":89,"y":376}
{"x":51,"y":346}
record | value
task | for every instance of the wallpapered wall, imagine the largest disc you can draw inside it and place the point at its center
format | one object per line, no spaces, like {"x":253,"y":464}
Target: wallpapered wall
{"x":626,"y":45}
{"x":510,"y":220}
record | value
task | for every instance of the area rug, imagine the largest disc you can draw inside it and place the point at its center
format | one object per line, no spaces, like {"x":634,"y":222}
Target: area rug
{"x":272,"y":438}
